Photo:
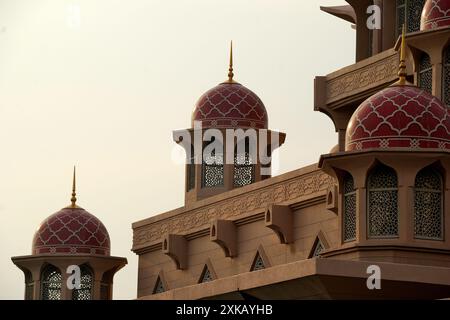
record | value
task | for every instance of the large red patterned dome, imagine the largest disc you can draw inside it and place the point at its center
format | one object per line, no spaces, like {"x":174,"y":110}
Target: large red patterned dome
{"x":400,"y":117}
{"x":72,"y":230}
{"x":435,"y":14}
{"x":230,"y":105}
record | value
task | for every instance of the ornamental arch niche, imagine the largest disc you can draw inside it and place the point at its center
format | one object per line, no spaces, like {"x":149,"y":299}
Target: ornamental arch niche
{"x":382,"y":202}
{"x":51,"y":283}
{"x":429,"y":203}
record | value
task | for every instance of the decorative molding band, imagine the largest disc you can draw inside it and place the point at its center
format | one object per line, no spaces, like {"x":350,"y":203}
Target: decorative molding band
{"x":293,"y":190}
{"x":370,"y":76}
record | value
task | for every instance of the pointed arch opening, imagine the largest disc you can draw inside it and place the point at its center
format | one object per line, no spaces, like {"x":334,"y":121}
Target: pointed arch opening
{"x":408,"y":12}
{"x":425,"y":74}
{"x":428,"y":204}
{"x":51,"y":283}
{"x":349,"y":208}
{"x":319,"y":245}
{"x":260,"y":261}
{"x":244,"y":167}
{"x":382,"y":202}
{"x":84,"y":292}
{"x":212,"y":167}
{"x":317,"y":249}
{"x":160,"y":285}
{"x":208,"y":274}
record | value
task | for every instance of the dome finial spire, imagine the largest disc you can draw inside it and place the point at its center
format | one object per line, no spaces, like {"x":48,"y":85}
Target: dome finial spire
{"x":230,"y":69}
{"x":402,"y":67}
{"x":74,"y":193}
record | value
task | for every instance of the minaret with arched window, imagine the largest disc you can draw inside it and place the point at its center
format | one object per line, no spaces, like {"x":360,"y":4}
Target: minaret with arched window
{"x":393,"y":175}
{"x":429,"y":47}
{"x":229,"y":145}
{"x":70,"y":258}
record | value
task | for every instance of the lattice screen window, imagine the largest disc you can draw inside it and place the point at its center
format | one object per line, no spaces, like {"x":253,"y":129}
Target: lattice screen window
{"x":401,"y":16}
{"x":428,"y":206}
{"x":349,"y":217}
{"x":318,"y":248}
{"x":414,"y":13}
{"x":51,"y":283}
{"x":425,"y":80}
{"x":244,"y":170}
{"x":212,"y":169}
{"x":159,"y":286}
{"x":258,"y":263}
{"x":446,"y":77}
{"x":206,"y":275}
{"x":86,"y":285}
{"x":382,"y":194}
{"x":409,"y":12}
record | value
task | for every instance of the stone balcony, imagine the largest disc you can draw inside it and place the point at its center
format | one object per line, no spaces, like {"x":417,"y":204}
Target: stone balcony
{"x":352,"y":84}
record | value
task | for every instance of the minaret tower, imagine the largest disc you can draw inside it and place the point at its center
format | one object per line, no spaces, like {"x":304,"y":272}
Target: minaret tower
{"x":393,"y":175}
{"x":69,"y":241}
{"x":229,"y":145}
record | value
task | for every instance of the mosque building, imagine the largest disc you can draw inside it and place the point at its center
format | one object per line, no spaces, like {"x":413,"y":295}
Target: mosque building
{"x":370,"y":220}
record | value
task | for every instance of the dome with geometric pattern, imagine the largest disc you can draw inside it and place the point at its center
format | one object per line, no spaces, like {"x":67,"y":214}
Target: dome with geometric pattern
{"x":400,"y":116}
{"x":230,"y":105}
{"x":72,"y":230}
{"x":435,"y":14}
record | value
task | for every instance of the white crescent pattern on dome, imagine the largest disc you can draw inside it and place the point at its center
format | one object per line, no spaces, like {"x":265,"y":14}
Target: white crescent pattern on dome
{"x":74,"y":232}
{"x":234,"y":106}
{"x":435,"y":5}
{"x":360,"y":124}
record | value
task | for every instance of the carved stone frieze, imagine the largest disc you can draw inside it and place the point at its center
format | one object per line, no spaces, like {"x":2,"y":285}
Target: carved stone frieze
{"x":233,"y":207}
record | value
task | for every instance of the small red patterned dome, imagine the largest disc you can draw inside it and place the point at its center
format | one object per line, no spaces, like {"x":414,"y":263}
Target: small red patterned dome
{"x":400,"y":117}
{"x":230,"y":105}
{"x":72,"y":231}
{"x":435,"y":14}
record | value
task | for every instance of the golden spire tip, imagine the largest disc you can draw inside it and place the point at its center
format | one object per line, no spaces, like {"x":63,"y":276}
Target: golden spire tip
{"x":402,"y":67}
{"x":74,"y":194}
{"x":230,"y":69}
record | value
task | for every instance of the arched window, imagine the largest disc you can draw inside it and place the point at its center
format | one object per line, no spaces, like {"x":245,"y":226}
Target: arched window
{"x":244,"y":169}
{"x":349,"y":218}
{"x":86,"y":284}
{"x":409,"y":12}
{"x":51,"y":282}
{"x":428,"y":217}
{"x":446,"y":76}
{"x":212,"y":168}
{"x":382,"y":202}
{"x":425,"y":75}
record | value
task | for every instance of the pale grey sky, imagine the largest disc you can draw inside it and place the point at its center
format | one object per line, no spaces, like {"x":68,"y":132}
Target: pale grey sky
{"x":106,"y":93}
